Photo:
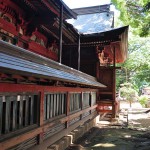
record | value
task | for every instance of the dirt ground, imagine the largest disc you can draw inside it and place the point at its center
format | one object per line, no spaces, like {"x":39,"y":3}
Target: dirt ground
{"x":117,"y":135}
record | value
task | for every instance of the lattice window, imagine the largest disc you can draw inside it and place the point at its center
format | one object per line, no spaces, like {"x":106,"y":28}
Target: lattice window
{"x":17,"y":111}
{"x":75,"y":101}
{"x":86,"y":100}
{"x":93,"y":98}
{"x":54,"y":105}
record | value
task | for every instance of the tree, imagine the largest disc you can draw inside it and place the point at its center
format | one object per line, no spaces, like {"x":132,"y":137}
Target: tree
{"x":137,"y":64}
{"x":128,"y":93}
{"x":143,"y":99}
{"x":135,"y":13}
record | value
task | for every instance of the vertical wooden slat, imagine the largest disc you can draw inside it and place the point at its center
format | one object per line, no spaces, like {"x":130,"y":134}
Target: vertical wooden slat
{"x":31,"y":109}
{"x":21,"y":112}
{"x":48,"y":105}
{"x":74,"y":104}
{"x":51,"y":108}
{"x":60,"y":104}
{"x":42,"y":115}
{"x":54,"y":110}
{"x":83,"y":99}
{"x":90,"y":102}
{"x":14,"y":118}
{"x":67,"y":107}
{"x":7,"y":114}
{"x":1,"y":113}
{"x":70,"y":103}
{"x":81,"y":104}
{"x":92,"y":98}
{"x":45,"y":107}
{"x":78,"y":100}
{"x":42,"y":109}
{"x":57,"y":106}
{"x":26,"y":110}
{"x":63,"y":101}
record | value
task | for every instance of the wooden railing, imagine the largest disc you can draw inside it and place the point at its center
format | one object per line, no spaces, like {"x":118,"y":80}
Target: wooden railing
{"x":17,"y":111}
{"x":75,"y":102}
{"x":54,"y":105}
{"x":29,"y":114}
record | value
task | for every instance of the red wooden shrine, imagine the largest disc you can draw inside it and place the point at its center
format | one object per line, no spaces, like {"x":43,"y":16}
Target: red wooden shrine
{"x":52,"y":79}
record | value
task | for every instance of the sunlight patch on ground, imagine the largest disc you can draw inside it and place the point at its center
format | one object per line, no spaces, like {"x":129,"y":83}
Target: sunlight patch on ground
{"x":127,"y":136}
{"x":104,"y":145}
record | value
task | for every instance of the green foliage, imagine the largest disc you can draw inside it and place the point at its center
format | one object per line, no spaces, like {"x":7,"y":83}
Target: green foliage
{"x":135,"y":13}
{"x":127,"y":92}
{"x":143,"y":99}
{"x":137,"y":64}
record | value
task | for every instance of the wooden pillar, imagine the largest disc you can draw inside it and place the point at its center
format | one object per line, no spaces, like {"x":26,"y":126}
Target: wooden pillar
{"x":114,"y":83}
{"x":60,"y":32}
{"x":79,"y":52}
{"x":114,"y":57}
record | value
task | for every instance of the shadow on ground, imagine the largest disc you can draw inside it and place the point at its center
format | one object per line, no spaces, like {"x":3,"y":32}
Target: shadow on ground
{"x":112,"y":138}
{"x":135,"y":136}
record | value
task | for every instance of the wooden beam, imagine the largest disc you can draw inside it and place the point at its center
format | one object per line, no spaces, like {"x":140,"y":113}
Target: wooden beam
{"x":9,"y":87}
{"x":51,"y":7}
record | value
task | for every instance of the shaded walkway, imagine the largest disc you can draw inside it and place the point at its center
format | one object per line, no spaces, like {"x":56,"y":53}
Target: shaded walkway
{"x":117,"y":136}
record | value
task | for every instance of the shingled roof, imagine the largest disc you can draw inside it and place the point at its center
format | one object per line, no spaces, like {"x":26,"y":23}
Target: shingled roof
{"x":18,"y":60}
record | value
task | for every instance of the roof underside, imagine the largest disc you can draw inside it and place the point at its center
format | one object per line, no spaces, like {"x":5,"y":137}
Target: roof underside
{"x":30,"y":64}
{"x":45,"y":14}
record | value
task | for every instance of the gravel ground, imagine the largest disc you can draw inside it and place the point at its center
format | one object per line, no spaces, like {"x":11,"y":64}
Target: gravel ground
{"x":118,"y":135}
